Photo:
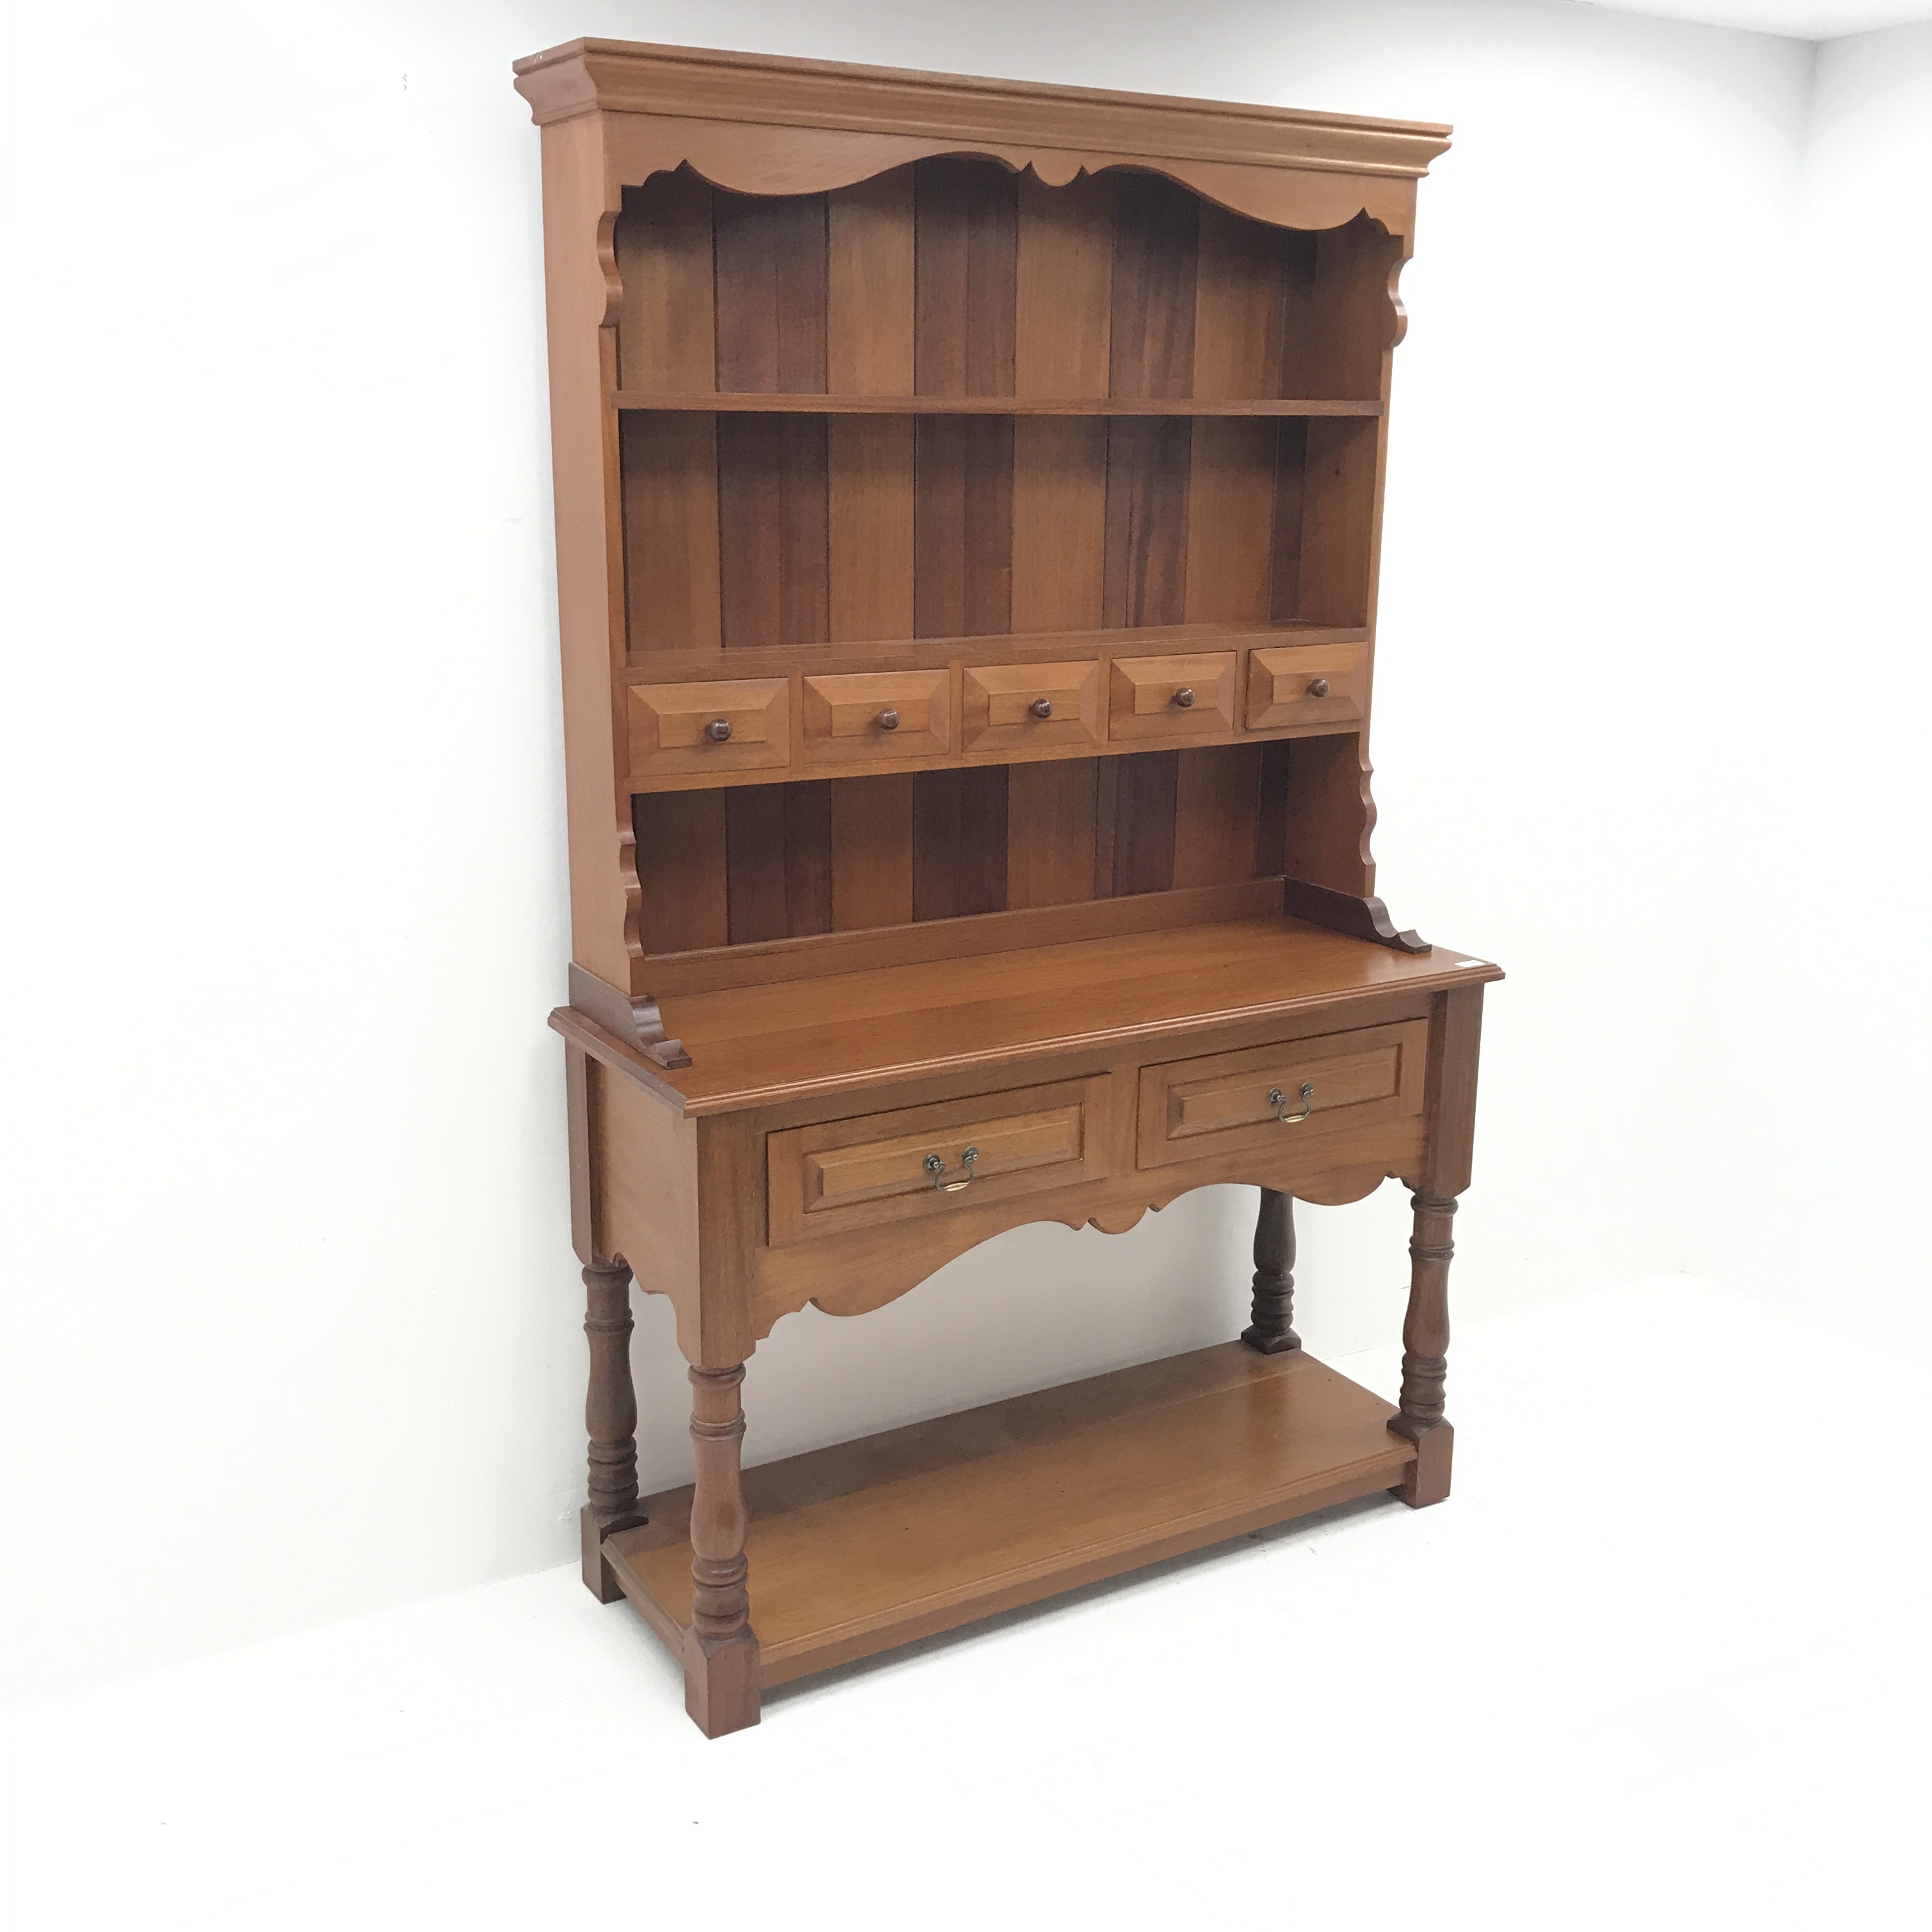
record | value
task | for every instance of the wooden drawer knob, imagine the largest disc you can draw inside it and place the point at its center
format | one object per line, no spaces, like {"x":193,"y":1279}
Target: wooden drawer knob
{"x":1042,"y":707}
{"x":1318,"y":687}
{"x":718,"y":729}
{"x":1184,"y":696}
{"x":888,"y":720}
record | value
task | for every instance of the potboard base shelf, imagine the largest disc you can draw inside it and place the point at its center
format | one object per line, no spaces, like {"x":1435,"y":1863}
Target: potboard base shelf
{"x":861,"y":1547}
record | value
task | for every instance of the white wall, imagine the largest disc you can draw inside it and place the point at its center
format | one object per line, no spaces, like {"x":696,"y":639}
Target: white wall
{"x":1811,"y":1141}
{"x":290,"y":1313}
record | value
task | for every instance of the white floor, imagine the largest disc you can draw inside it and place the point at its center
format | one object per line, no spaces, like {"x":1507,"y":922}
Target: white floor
{"x":1660,"y":1661}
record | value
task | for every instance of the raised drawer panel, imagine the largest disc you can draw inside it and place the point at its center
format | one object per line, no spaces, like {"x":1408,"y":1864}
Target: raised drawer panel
{"x":877,"y":717}
{"x":843,"y":1175}
{"x":1031,"y":707}
{"x":723,"y":725}
{"x":1306,"y":684}
{"x":1221,"y":1103}
{"x":1172,"y":699}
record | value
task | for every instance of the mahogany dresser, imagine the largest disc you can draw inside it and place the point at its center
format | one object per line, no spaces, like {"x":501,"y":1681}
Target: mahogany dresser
{"x":968,"y":498}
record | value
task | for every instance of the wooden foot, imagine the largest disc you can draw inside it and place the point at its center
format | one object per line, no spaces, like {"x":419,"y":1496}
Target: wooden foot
{"x":1425,"y":1351}
{"x":721,"y":1654}
{"x":720,"y":1683}
{"x":1270,"y":1332}
{"x":610,"y":1420}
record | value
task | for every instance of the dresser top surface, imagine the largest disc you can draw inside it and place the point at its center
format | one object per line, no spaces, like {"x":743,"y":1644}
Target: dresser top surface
{"x":758,"y":1045}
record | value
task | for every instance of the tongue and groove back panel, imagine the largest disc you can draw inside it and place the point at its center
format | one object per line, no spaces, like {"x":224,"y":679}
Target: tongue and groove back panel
{"x":954,"y":278}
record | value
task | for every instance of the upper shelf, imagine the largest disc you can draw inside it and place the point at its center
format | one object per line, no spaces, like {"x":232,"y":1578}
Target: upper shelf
{"x":812,"y":404}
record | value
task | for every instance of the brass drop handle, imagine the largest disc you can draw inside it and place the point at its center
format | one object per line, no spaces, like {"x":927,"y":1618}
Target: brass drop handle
{"x":1042,"y":707}
{"x":888,"y":720}
{"x":936,"y":1167}
{"x":1184,"y":696}
{"x":718,"y":729}
{"x":1318,"y":687}
{"x":1278,"y":1100}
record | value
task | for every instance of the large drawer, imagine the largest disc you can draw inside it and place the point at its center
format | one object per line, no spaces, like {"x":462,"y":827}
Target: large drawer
{"x":905,"y":1165}
{"x":1298,"y":1092}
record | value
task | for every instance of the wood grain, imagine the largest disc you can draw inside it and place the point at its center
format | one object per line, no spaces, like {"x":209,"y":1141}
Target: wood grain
{"x":1170,"y":699}
{"x":870,"y":1170}
{"x":968,"y":229}
{"x":1215,"y":790}
{"x":1237,"y":347}
{"x":721,"y":1650}
{"x":1299,"y":320}
{"x":1059,"y":523}
{"x":1271,"y":810}
{"x":773,"y":402}
{"x":609,"y":1419}
{"x":869,"y":527}
{"x":1291,"y":499}
{"x":889,"y":717}
{"x":1271,"y":1331}
{"x":964,"y":312}
{"x":671,"y":578}
{"x":674,"y":727}
{"x":1239,"y":306}
{"x":1144,"y":570}
{"x":770,"y":259}
{"x":1050,"y":832}
{"x":772,"y":470}
{"x":1024,"y":708}
{"x":663,"y":245}
{"x":775,"y":962}
{"x":1338,"y":523}
{"x":1360,"y":1077}
{"x":869,"y":352}
{"x":1328,"y":815}
{"x":1064,"y":287}
{"x":752,"y":1043}
{"x":754,"y":835}
{"x":1023,"y":121}
{"x":772,"y":531}
{"x":1064,"y":299}
{"x":959,"y":842}
{"x":872,"y":852}
{"x":1425,"y":1353}
{"x":853,"y":373}
{"x":663,"y":242}
{"x":1151,"y":346}
{"x":1309,"y":684}
{"x":869,"y":298}
{"x":779,"y":860}
{"x":963,"y":527}
{"x":681,"y":869}
{"x":857,"y":1549}
{"x":1144,"y":801}
{"x":1229,"y":573}
{"x":1456,"y":1043}
{"x":1351,"y":322}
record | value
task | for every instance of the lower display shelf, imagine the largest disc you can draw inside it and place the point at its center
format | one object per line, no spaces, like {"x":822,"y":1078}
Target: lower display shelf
{"x":856,"y":1548}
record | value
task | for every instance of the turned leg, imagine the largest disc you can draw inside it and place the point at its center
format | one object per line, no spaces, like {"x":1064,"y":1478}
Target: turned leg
{"x":721,"y":1654}
{"x":1425,"y":1350}
{"x":611,"y":1419}
{"x":1274,"y":1280}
